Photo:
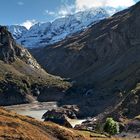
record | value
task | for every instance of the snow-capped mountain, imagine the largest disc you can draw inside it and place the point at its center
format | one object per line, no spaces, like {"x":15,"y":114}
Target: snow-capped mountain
{"x":17,"y":31}
{"x":42,"y":34}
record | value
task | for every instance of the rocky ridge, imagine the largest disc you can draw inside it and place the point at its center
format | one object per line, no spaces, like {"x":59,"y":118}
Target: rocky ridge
{"x":21,"y":77}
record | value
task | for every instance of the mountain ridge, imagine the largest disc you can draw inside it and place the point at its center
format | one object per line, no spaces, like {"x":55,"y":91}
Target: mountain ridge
{"x":21,"y":78}
{"x":42,"y":34}
{"x":101,"y":62}
{"x":17,"y":30}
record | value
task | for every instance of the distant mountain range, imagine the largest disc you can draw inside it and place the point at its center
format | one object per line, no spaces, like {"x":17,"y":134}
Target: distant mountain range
{"x":42,"y":34}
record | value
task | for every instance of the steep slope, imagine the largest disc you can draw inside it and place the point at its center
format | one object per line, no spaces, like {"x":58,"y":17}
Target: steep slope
{"x":103,"y":60}
{"x":126,"y":112}
{"x":21,"y":77}
{"x":42,"y":34}
{"x":17,"y":127}
{"x":129,"y":106}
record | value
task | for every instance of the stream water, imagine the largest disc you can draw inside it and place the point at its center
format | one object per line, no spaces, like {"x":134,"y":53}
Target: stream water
{"x":37,"y":109}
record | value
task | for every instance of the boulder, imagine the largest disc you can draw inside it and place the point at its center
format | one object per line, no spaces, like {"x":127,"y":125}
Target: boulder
{"x":58,"y":117}
{"x":62,"y":114}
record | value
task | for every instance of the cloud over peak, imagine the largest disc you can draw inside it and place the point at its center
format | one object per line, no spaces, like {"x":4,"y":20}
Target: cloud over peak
{"x":84,"y":4}
{"x":28,"y":23}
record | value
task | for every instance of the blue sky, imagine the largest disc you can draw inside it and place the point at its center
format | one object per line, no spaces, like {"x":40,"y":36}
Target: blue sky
{"x":27,"y":12}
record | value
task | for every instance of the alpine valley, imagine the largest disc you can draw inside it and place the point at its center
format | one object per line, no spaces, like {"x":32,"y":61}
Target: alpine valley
{"x":82,"y":69}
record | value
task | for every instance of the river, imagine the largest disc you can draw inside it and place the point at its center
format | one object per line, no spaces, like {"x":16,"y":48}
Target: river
{"x":37,"y":109}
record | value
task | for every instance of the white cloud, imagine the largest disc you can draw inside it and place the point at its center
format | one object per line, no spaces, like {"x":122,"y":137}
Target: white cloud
{"x":84,"y":4}
{"x":120,"y":3}
{"x":62,"y":12}
{"x":28,"y":23}
{"x":20,"y":3}
{"x":47,"y":12}
{"x":66,"y":10}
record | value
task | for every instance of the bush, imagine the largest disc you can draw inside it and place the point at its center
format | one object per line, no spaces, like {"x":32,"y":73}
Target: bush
{"x":111,"y":126}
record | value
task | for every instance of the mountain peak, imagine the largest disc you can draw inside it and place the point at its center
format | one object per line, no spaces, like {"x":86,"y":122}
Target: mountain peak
{"x":17,"y":30}
{"x":42,"y":34}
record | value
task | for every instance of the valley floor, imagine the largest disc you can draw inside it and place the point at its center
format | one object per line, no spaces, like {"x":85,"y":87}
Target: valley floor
{"x":37,"y":109}
{"x":9,"y":121}
{"x":18,"y":127}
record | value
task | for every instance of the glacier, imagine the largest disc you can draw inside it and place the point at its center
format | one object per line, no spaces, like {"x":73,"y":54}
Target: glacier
{"x":43,"y":34}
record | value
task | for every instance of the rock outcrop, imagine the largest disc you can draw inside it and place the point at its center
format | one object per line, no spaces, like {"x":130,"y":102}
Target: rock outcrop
{"x":10,"y":50}
{"x":22,"y":79}
{"x":61,"y":115}
{"x":58,"y":117}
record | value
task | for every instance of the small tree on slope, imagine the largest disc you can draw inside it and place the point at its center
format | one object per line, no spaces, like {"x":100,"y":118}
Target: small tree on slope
{"x":111,"y":126}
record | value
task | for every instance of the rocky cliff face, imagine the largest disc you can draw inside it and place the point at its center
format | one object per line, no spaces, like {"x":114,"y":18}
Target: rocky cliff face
{"x":104,"y":60}
{"x":22,"y":79}
{"x":10,"y":50}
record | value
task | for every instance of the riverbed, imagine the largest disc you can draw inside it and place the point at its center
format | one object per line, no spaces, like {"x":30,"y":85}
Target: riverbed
{"x":37,"y":109}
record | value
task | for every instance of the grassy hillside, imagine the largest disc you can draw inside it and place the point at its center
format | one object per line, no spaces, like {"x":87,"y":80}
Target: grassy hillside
{"x":17,"y":127}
